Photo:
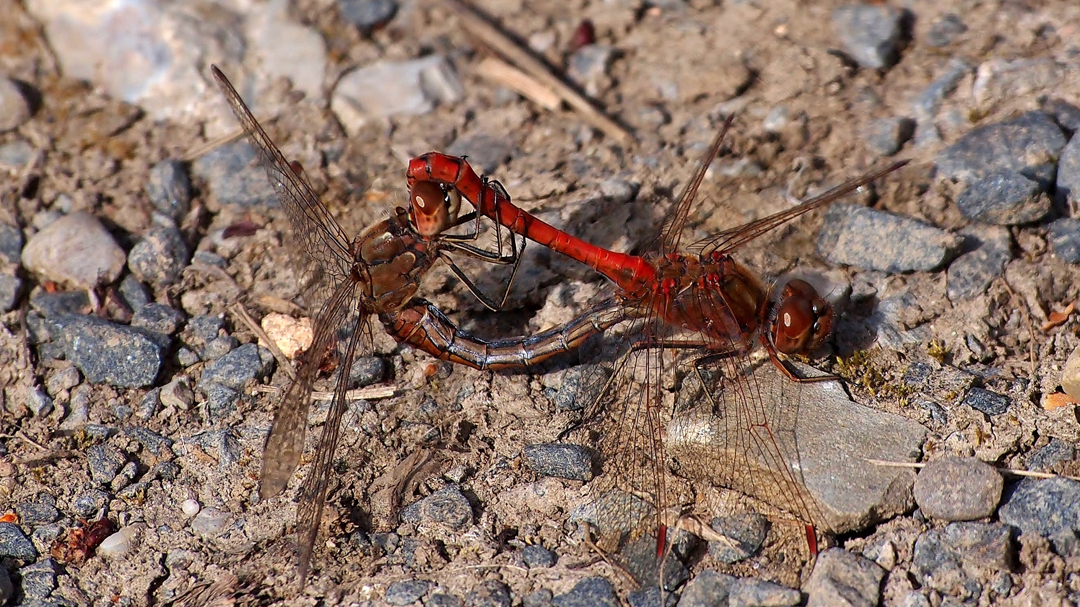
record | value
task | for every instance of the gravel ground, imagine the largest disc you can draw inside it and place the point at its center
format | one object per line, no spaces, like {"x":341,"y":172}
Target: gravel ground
{"x":130,"y":223}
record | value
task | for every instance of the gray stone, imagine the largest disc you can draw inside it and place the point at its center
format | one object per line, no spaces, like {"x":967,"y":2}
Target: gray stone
{"x":135,"y":294}
{"x":210,"y":522}
{"x":42,"y":511}
{"x":589,"y":592}
{"x":540,"y":597}
{"x":580,"y":386}
{"x":234,"y":176}
{"x":10,"y":290}
{"x":169,"y":188}
{"x":159,"y":257}
{"x":1064,"y":113}
{"x":365,"y":371}
{"x":990,"y":403}
{"x":641,"y":561}
{"x":1064,"y":237}
{"x":220,"y":400}
{"x":394,"y":88}
{"x":1049,"y":455}
{"x":944,"y":30}
{"x":62,"y":379}
{"x":445,"y":600}
{"x":536,"y":556}
{"x":14,"y":544}
{"x":52,"y":305}
{"x":744,"y":535}
{"x":708,"y":589}
{"x":1000,"y":80}
{"x":990,"y":248}
{"x":1029,"y":144}
{"x":1047,"y":507}
{"x":11,"y":243}
{"x":406,"y":592}
{"x":870,"y":34}
{"x":844,"y":579}
{"x":7,"y":589}
{"x":158,"y":318}
{"x":561,"y":460}
{"x":88,"y":504}
{"x":588,"y":67}
{"x":39,"y":579}
{"x":840,"y":490}
{"x":177,"y":393}
{"x":75,"y":250}
{"x":218,"y":347}
{"x":750,"y":592}
{"x":40,"y":404}
{"x":486,"y":152}
{"x":953,"y":559}
{"x":15,"y":155}
{"x":105,"y":462}
{"x":150,"y":440}
{"x":236,"y":368}
{"x":1004,"y":198}
{"x":109,"y":353}
{"x":876,"y":240}
{"x":367,"y":15}
{"x":204,"y":328}
{"x":124,"y":477}
{"x":955,"y":489}
{"x":489,"y":593}
{"x":14,"y":103}
{"x":447,"y":506}
{"x":886,"y":136}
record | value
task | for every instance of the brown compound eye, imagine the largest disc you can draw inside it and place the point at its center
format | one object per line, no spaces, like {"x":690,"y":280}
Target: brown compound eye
{"x":803,"y":319}
{"x":433,"y":209}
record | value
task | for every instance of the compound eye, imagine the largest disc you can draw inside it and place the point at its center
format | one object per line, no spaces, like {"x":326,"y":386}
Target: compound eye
{"x":803,"y":319}
{"x":428,"y":203}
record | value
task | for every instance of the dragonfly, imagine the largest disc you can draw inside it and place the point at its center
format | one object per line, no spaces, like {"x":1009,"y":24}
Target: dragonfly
{"x":697,"y":310}
{"x":375,"y":274}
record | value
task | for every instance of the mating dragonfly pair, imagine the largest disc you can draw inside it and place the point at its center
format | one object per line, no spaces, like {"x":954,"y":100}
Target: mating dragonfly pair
{"x":697,"y":302}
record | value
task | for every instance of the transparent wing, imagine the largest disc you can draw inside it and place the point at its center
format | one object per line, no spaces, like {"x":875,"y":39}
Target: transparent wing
{"x":313,"y":226}
{"x":671,"y":233}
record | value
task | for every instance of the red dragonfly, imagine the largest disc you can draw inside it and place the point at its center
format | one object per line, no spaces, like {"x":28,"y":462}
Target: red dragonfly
{"x":700,"y":304}
{"x":376,"y":273}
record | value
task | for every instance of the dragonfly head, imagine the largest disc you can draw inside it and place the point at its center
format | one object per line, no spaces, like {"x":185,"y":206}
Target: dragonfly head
{"x":803,"y":319}
{"x":432,"y":207}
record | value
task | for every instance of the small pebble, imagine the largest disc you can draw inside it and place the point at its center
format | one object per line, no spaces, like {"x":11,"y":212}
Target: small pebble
{"x":117,"y":544}
{"x":237,"y":367}
{"x":956,"y":489}
{"x":877,"y":240}
{"x":952,"y":559}
{"x":210,"y":522}
{"x":7,"y":589}
{"x":591,"y":591}
{"x":367,"y":15}
{"x":870,"y":34}
{"x":406,"y":592}
{"x":444,"y":600}
{"x":580,"y":386}
{"x":619,"y":191}
{"x":588,"y":67}
{"x":1049,"y":507}
{"x":39,"y":579}
{"x":990,"y":403}
{"x":489,"y":593}
{"x":16,"y":154}
{"x":886,"y":136}
{"x":448,"y":507}
{"x":752,"y":591}
{"x":365,"y":371}
{"x":40,"y":403}
{"x":14,"y":544}
{"x":218,"y":347}
{"x":159,"y":257}
{"x":944,"y":30}
{"x":76,"y":250}
{"x":843,"y":578}
{"x":745,"y":535}
{"x":52,"y":305}
{"x":110,"y":353}
{"x":158,"y":318}
{"x":1064,"y":238}
{"x":1070,"y":376}
{"x":1055,"y":452}
{"x":105,"y":462}
{"x":291,"y":335}
{"x":971,"y":273}
{"x":169,"y":188}
{"x":88,"y":504}
{"x":708,"y":588}
{"x":395,"y":88}
{"x":560,"y":460}
{"x":150,"y":440}
{"x":39,"y":512}
{"x":10,"y":290}
{"x":14,"y":104}
{"x":177,"y":394}
{"x":536,"y":556}
{"x":11,"y":243}
{"x":233,"y":175}
{"x":1004,"y":198}
{"x":204,"y":327}
{"x":190,"y":507}
{"x":1028,"y":144}
{"x":62,"y":379}
{"x":135,"y":294}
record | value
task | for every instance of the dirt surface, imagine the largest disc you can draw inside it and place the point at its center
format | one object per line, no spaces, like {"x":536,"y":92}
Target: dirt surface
{"x":742,"y":57}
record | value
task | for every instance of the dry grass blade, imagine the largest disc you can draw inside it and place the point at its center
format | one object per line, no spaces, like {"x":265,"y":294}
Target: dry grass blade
{"x":509,"y":76}
{"x":502,"y":44}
